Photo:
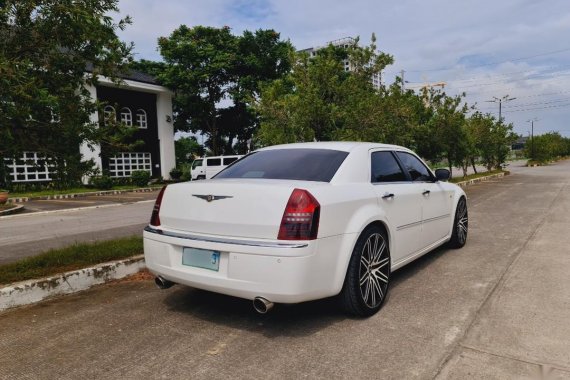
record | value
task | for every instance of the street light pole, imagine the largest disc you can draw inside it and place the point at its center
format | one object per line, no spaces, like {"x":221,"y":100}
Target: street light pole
{"x":531,"y":121}
{"x":500,"y":101}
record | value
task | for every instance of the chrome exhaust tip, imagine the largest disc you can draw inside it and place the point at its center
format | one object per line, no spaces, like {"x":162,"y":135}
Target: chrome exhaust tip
{"x":163,"y":283}
{"x":261,"y":305}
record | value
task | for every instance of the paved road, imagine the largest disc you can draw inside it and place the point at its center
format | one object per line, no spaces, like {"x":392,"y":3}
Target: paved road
{"x":107,"y":218}
{"x":496,"y":309}
{"x":35,"y":206}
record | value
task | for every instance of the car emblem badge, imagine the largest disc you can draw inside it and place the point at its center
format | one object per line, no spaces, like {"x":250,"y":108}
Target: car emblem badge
{"x":210,"y":197}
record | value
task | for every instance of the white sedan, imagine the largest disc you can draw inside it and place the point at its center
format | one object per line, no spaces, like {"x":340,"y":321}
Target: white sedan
{"x":299,"y":222}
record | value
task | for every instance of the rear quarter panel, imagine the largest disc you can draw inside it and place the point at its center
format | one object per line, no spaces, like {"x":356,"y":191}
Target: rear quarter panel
{"x":347,"y":210}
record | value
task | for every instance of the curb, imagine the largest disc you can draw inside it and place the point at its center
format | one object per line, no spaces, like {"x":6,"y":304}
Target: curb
{"x":31,"y":291}
{"x":11,"y":211}
{"x":464,"y":184}
{"x":80,"y":195}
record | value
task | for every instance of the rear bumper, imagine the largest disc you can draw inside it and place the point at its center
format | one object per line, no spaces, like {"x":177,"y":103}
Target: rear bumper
{"x":283,"y":272}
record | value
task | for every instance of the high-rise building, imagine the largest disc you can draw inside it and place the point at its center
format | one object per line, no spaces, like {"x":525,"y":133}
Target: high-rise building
{"x":345,"y":43}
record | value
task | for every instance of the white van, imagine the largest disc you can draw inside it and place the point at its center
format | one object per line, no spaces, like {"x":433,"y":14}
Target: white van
{"x":207,"y":167}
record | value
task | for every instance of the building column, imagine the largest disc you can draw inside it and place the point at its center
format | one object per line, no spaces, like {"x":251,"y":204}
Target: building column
{"x":165,"y":133}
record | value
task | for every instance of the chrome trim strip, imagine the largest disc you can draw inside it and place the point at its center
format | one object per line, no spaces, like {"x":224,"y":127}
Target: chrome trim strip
{"x":437,"y":218}
{"x":250,"y":243}
{"x":402,"y":227}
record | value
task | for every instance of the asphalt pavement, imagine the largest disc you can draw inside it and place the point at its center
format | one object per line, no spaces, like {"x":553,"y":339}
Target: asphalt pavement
{"x":496,"y":309}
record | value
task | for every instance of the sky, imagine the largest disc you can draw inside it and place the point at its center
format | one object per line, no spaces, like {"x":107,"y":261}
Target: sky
{"x":488,"y":49}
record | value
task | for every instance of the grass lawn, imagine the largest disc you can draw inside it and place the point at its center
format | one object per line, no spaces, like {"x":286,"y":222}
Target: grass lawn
{"x":70,"y":258}
{"x":478,"y":175}
{"x":5,"y":207}
{"x":71,"y":191}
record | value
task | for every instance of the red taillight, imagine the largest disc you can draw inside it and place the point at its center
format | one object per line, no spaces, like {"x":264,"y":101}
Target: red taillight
{"x":301,"y":217}
{"x":155,"y":218}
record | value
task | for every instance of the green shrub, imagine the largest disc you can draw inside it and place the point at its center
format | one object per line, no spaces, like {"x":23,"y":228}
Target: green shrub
{"x":140,"y":178}
{"x":175,"y":174}
{"x":122,"y":181}
{"x":102,"y":182}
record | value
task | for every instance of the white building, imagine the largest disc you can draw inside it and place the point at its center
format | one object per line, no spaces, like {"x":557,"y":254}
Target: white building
{"x":345,"y":43}
{"x":139,"y":101}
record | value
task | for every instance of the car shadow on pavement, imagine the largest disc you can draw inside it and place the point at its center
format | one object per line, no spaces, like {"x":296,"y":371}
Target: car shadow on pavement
{"x":302,"y":319}
{"x":403,"y":274}
{"x":294,"y":320}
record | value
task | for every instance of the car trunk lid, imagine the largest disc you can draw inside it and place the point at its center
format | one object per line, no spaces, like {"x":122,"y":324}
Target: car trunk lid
{"x":230,"y":207}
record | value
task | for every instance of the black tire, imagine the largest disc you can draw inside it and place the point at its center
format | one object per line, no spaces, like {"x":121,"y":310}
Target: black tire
{"x":460,"y":225}
{"x":200,"y":177}
{"x":366,"y":285}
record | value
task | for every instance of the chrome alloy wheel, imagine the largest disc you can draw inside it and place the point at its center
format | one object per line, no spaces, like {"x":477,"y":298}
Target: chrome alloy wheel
{"x":374,"y":270}
{"x":462,"y":222}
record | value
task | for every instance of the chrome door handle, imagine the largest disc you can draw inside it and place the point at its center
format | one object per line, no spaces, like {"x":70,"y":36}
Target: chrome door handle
{"x":426,"y":192}
{"x":387,"y":196}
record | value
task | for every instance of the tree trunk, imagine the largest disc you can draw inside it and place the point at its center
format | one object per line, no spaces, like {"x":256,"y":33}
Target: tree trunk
{"x":473,"y":165}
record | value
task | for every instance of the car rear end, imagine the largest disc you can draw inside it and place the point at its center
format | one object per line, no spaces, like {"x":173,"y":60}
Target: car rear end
{"x":253,"y":231}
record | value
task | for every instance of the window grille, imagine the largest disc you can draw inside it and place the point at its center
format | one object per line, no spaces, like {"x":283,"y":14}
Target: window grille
{"x":30,"y":167}
{"x":123,"y":164}
{"x":126,"y":117}
{"x":141,"y":118}
{"x":108,"y":114}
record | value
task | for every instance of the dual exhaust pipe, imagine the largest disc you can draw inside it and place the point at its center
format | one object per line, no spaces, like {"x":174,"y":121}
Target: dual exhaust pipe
{"x":260,"y":304}
{"x":163,"y":283}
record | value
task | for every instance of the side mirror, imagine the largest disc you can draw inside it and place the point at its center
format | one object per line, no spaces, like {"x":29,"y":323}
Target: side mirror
{"x":442,"y":174}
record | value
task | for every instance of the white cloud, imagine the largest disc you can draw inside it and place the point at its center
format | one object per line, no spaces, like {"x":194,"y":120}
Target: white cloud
{"x":422,"y":36}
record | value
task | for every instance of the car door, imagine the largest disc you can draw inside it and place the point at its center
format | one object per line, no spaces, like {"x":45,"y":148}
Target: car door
{"x":435,"y":200}
{"x":401,"y":202}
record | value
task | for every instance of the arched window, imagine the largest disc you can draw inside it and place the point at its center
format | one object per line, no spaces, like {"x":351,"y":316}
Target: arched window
{"x":126,"y":116}
{"x":141,"y":118}
{"x":108,"y":114}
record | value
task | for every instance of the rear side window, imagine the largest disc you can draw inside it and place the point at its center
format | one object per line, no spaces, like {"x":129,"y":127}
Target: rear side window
{"x":415,"y":167}
{"x":229,"y":160}
{"x":385,"y":168}
{"x":214,"y":162}
{"x":292,"y":164}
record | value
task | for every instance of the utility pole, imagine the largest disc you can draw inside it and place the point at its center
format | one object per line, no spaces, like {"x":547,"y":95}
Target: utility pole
{"x":500,"y":101}
{"x":403,"y":82}
{"x":531,"y":121}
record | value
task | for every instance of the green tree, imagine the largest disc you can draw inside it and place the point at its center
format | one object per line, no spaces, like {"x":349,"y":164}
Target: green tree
{"x":207,"y":66}
{"x":185,"y":149}
{"x":198,"y":68}
{"x":48,"y":51}
{"x":547,"y":147}
{"x":447,"y":126}
{"x":320,"y":100}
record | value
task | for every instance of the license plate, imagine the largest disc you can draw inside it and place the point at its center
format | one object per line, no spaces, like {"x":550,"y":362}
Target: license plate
{"x":201,"y":258}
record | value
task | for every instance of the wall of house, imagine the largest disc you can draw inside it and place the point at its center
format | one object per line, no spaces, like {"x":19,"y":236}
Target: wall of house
{"x":155,"y":154}
{"x":157,"y":138}
{"x":130,"y":100}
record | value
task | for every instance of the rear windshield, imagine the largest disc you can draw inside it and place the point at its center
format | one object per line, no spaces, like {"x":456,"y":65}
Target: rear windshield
{"x":292,"y":164}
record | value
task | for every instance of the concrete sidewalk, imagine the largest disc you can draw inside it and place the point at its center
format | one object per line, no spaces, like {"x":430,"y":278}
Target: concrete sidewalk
{"x":496,"y":309}
{"x":522,"y":329}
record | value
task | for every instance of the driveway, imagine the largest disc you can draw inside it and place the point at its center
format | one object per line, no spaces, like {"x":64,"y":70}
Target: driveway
{"x":496,"y":309}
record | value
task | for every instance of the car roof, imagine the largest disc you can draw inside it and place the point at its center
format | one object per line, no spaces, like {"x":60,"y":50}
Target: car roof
{"x":346,"y":146}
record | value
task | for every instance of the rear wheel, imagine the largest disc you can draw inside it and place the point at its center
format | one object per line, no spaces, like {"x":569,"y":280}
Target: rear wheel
{"x":368,"y":276}
{"x":460,"y":225}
